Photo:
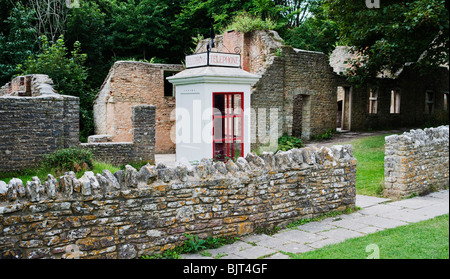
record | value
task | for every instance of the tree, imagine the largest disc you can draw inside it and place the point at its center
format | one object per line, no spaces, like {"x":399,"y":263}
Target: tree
{"x":51,"y":17}
{"x":87,"y":24}
{"x":17,"y":42}
{"x":316,"y":32}
{"x":294,"y":11}
{"x":396,"y":33}
{"x":138,"y":28}
{"x":68,"y":73}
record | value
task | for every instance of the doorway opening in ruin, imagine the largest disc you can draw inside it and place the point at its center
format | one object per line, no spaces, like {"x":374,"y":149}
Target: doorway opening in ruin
{"x":301,"y":116}
{"x":344,"y":109}
{"x":297,"y":116}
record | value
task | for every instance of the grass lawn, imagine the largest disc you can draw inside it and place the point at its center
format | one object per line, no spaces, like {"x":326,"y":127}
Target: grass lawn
{"x":424,"y":240}
{"x":369,"y":152}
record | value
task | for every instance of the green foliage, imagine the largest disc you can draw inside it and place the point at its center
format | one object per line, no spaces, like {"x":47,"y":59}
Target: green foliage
{"x":193,"y":244}
{"x":42,"y":171}
{"x":315,"y":33}
{"x":69,"y":159}
{"x":286,"y":142}
{"x":245,"y":23}
{"x":171,"y":254}
{"x":88,"y":25}
{"x":17,"y":42}
{"x":267,"y":230}
{"x":139,"y":27}
{"x":369,"y":151}
{"x":397,"y":33}
{"x":325,"y":136}
{"x":68,"y":73}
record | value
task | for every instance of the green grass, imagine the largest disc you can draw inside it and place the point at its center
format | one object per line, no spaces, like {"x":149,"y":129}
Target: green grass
{"x":42,"y":172}
{"x":424,"y":240}
{"x":369,"y":152}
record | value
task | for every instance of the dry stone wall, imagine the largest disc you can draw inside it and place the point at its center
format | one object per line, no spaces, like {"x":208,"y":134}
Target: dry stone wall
{"x":417,"y":162}
{"x":135,"y":212}
{"x":142,"y":147}
{"x":31,"y":127}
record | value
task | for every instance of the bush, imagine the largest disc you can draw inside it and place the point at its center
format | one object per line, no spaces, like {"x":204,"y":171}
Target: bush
{"x":68,"y":74}
{"x":245,"y":23}
{"x":69,"y":159}
{"x":326,"y":136}
{"x":286,"y":142}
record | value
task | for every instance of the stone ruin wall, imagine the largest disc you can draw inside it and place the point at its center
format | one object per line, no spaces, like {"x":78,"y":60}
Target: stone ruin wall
{"x":135,"y":212}
{"x":34,"y":121}
{"x":417,"y":162}
{"x":140,"y":149}
{"x":299,"y":87}
{"x":132,"y":83}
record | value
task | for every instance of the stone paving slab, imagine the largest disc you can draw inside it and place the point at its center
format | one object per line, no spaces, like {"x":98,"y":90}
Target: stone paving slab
{"x":349,"y":224}
{"x":416,"y":203}
{"x":296,"y":248}
{"x":230,"y":249}
{"x":278,"y":256}
{"x":381,"y":222}
{"x":340,"y":234}
{"x":315,"y":227}
{"x":367,"y":201}
{"x":377,"y":214}
{"x":324,"y":242}
{"x":298,"y":236}
{"x":255,"y":252}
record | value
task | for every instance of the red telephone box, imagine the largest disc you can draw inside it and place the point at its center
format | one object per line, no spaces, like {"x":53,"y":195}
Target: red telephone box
{"x":228,"y":128}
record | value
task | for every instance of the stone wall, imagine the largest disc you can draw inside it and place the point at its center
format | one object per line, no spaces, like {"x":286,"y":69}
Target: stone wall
{"x":413,"y":86}
{"x":132,"y":83}
{"x":34,"y":126}
{"x":140,"y":149}
{"x":417,"y":162}
{"x":46,"y":121}
{"x":299,"y":85}
{"x":131,"y":213}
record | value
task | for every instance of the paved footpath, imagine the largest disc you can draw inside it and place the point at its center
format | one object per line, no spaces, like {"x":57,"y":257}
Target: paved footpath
{"x":376,"y":214}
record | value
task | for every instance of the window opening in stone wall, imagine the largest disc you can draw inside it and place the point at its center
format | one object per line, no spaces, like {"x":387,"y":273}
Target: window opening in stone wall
{"x":395,"y":101}
{"x":373,"y":101}
{"x":169,"y":88}
{"x":446,"y":100}
{"x":429,"y":102}
{"x":228,"y":130}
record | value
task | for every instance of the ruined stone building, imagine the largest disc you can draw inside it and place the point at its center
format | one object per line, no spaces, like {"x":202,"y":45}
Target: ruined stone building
{"x":299,"y":85}
{"x":300,"y":93}
{"x":404,"y":99}
{"x":131,"y":83}
{"x":34,"y":121}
